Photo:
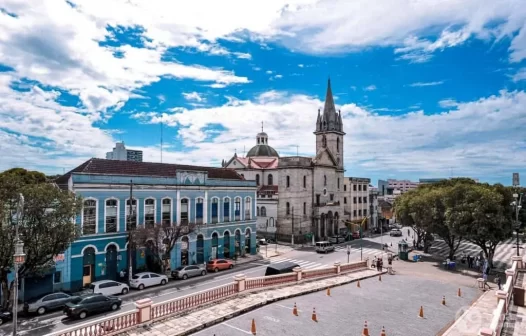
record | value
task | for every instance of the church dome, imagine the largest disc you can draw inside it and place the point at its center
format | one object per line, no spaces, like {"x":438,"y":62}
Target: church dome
{"x":262,"y":150}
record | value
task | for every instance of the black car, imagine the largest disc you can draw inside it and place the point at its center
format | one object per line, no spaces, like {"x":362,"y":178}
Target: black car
{"x":91,"y":304}
{"x":5,"y":317}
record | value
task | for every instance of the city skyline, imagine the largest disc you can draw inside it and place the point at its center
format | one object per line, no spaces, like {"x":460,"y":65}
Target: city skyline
{"x":437,"y":90}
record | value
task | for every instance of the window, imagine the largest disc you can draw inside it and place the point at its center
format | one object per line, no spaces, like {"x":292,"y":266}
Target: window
{"x":57,"y":277}
{"x":257,"y":179}
{"x":166,"y":215}
{"x":345,"y":200}
{"x":332,"y":197}
{"x":354,"y":200}
{"x":263,"y":211}
{"x":226,"y":209}
{"x":359,"y":212}
{"x":359,"y":187}
{"x":237,"y":209}
{"x":365,"y":212}
{"x":324,"y":180}
{"x":360,"y":200}
{"x":318,"y":199}
{"x":131,"y":214}
{"x":89,"y":217}
{"x":364,"y":188}
{"x":304,"y":208}
{"x":111,"y":215}
{"x":199,"y":211}
{"x":184,"y":211}
{"x":337,"y":145}
{"x":354,"y":187}
{"x":304,"y":181}
{"x":248,"y":205}
{"x":287,"y":208}
{"x":288,"y":181}
{"x":344,"y":187}
{"x":215,"y":210}
{"x":338,"y":183}
{"x":354,"y":213}
{"x":149,"y":212}
{"x":257,"y":213}
{"x":270,"y":179}
{"x":365,"y":199}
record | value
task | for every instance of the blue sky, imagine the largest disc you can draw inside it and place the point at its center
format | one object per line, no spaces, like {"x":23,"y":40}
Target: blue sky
{"x":426,"y":89}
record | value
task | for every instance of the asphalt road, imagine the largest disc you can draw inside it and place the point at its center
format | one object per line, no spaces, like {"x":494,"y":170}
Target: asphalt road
{"x":394,"y":303}
{"x":56,"y":321}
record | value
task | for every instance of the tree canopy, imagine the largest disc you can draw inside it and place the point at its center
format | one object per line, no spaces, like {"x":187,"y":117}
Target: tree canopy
{"x":46,"y":225}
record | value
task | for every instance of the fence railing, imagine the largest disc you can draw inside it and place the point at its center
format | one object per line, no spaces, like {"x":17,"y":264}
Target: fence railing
{"x":147,"y":312}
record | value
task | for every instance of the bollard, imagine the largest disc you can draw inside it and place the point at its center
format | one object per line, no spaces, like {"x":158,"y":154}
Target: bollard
{"x":443,"y":300}
{"x":295,"y":310}
{"x":314,"y":317}
{"x":365,"y":331}
{"x":421,"y":312}
{"x":253,"y":328}
{"x":328,"y":292}
{"x":380,"y":277}
{"x":459,"y":294}
{"x":358,"y":284}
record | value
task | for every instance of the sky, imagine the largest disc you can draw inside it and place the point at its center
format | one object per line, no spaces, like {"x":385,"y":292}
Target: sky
{"x":426,"y":89}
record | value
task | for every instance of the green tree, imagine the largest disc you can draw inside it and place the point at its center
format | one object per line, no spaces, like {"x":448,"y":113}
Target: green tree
{"x":413,"y":209}
{"x":46,"y":226}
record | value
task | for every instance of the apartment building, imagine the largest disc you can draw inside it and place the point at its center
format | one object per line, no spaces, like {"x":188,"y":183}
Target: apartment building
{"x":356,"y":197}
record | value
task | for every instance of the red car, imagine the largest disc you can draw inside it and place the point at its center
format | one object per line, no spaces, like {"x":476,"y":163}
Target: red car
{"x":356,"y":235}
{"x":217,"y":265}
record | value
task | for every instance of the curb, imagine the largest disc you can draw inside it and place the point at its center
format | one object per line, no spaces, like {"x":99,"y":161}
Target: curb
{"x":266,"y":302}
{"x":453,"y":323}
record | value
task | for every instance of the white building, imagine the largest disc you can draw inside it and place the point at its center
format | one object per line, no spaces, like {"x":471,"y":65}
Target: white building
{"x":356,"y":199}
{"x":373,"y":207}
{"x":402,"y":185}
{"x":122,"y":154}
{"x":301,"y":194}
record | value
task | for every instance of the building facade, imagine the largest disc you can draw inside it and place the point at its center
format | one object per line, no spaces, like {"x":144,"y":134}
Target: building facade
{"x":303,"y":194}
{"x":219,"y":203}
{"x":373,"y":207}
{"x":402,"y":185}
{"x":356,"y":200}
{"x":120,"y":153}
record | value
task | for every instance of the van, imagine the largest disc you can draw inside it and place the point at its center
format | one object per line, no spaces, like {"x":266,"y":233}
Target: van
{"x":109,"y":287}
{"x":281,"y":268}
{"x":324,"y":247}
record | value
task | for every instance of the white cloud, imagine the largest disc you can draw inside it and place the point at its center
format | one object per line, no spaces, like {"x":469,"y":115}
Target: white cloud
{"x":421,"y":84}
{"x":217,"y":86}
{"x":243,"y":55}
{"x":193,"y":96}
{"x":268,"y":72}
{"x":301,"y":65}
{"x":278,"y":76}
{"x":370,"y":88}
{"x":468,"y":138}
{"x":447,"y":103}
{"x":520,"y":75}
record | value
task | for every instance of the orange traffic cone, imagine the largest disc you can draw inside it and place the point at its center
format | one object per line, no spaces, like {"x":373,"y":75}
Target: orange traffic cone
{"x":358,"y":284}
{"x":459,"y":294}
{"x":443,"y":300}
{"x":421,"y":312}
{"x":253,"y":329}
{"x":380,"y":277}
{"x":295,"y":310}
{"x":365,"y":331}
{"x":314,"y":318}
{"x":383,"y":332}
{"x":328,"y":292}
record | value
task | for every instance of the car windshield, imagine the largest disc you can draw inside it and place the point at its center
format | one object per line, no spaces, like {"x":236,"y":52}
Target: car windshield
{"x":135,"y":277}
{"x":211,"y":261}
{"x":76,"y":300}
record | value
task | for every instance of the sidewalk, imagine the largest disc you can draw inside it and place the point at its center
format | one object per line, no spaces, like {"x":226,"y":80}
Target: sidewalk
{"x":270,"y":250}
{"x":515,"y":324}
{"x":206,"y":317}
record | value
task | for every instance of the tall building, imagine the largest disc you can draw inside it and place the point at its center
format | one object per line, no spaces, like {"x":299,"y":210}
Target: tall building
{"x":373,"y":207}
{"x":304,"y":194}
{"x":402,"y":185}
{"x":356,"y":198}
{"x":120,"y":153}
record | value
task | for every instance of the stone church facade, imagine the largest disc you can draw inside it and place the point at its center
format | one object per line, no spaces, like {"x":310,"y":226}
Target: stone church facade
{"x":299,"y":195}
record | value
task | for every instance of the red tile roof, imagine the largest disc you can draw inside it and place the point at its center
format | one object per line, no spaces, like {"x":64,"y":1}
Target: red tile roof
{"x":132,"y":168}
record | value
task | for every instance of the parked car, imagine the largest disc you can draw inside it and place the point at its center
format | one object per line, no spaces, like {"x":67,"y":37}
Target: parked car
{"x":83,"y":306}
{"x":217,"y":265}
{"x":262,"y":241}
{"x":109,"y":287}
{"x":148,"y":279}
{"x":186,"y":272}
{"x":395,"y":233}
{"x":47,"y":302}
{"x":5,"y":317}
{"x":356,"y":235}
{"x":336,"y":239}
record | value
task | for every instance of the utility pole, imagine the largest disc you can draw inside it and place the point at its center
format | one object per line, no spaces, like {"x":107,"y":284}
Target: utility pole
{"x":518,"y":206}
{"x":266,"y":246}
{"x":19,"y":259}
{"x":130,"y":236}
{"x":292,"y":227}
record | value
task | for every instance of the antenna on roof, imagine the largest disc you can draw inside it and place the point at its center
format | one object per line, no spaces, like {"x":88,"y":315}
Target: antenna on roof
{"x":161,"y":138}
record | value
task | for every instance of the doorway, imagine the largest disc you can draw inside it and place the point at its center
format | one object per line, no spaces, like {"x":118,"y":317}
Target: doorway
{"x":88,"y":267}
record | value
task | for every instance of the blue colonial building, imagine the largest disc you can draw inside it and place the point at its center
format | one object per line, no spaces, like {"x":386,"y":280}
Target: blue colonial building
{"x":118,"y":195}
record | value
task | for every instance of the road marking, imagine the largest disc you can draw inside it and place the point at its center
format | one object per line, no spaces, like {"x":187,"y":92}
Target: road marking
{"x":289,"y":308}
{"x":231,"y":326}
{"x":270,"y":318}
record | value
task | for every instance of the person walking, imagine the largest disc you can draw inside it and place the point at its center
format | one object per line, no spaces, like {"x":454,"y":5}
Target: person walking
{"x":485,"y":277}
{"x":122,"y":275}
{"x":499,"y":282}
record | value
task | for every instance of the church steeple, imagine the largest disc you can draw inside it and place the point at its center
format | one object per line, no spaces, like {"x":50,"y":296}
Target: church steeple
{"x":329,"y":109}
{"x":330,"y":119}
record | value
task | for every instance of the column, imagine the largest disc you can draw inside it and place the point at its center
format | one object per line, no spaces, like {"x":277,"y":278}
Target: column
{"x":298,"y":272}
{"x":145,"y":310}
{"x":205,"y":209}
{"x":240,"y":282}
{"x":518,"y":259}
{"x":178,"y":208}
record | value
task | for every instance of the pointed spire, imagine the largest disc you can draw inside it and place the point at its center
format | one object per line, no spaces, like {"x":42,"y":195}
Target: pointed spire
{"x":329,"y":101}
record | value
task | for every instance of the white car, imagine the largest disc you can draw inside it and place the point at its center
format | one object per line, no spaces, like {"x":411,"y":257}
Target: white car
{"x":109,"y":287}
{"x":147,"y":279}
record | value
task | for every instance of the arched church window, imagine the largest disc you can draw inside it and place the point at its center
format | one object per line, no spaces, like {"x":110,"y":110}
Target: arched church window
{"x":270,"y":179}
{"x":324,"y":180}
{"x":257,"y":179}
{"x":324,"y":141}
{"x":338,"y":145}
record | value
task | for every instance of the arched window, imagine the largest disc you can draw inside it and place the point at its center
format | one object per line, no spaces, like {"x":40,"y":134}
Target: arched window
{"x":288,"y":181}
{"x":338,"y":145}
{"x":184,"y":211}
{"x":226,"y":209}
{"x":215,"y":210}
{"x":257,"y":179}
{"x":324,"y":180}
{"x":287,"y":208}
{"x":263,"y":211}
{"x":338,"y":183}
{"x":304,"y":181}
{"x":257,"y":211}
{"x":111,"y":215}
{"x":199,"y":211}
{"x":149,"y":212}
{"x":89,"y":217}
{"x":324,"y":141}
{"x":166,"y":215}
{"x":237,"y":209}
{"x":131,"y":214}
{"x":270,"y":179}
{"x":248,"y":206}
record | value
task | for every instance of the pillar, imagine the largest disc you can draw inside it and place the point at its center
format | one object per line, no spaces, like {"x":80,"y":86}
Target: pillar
{"x":502,"y":295}
{"x":298,"y":271}
{"x":240,"y":282}
{"x":518,"y":259}
{"x":337,"y":266}
{"x":486,"y":332}
{"x":178,"y":208}
{"x":144,"y":307}
{"x":206,"y":220}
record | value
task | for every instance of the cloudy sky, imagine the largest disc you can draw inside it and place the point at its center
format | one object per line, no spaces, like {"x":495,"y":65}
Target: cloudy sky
{"x":432,"y":88}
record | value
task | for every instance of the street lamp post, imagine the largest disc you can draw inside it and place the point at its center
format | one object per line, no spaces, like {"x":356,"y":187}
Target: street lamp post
{"x":266,"y":246}
{"x":348,"y":253}
{"x":19,"y":259}
{"x":518,"y":202}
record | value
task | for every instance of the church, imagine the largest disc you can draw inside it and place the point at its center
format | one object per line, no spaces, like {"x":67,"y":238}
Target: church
{"x":300,"y":198}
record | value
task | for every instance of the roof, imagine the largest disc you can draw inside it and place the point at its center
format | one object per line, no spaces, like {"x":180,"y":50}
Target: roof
{"x":262,"y":150}
{"x":132,"y":168}
{"x":259,"y":162}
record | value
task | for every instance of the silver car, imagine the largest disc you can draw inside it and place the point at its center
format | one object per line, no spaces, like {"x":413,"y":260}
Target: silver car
{"x":186,"y":272}
{"x":48,"y":302}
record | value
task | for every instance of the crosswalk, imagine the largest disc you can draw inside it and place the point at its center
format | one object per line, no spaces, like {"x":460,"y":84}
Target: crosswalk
{"x":304,"y":264}
{"x":503,"y":253}
{"x":365,"y":251}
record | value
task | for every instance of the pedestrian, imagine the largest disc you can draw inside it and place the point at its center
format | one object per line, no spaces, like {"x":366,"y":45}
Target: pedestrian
{"x":477,"y":263}
{"x":381,"y":264}
{"x":470,"y":261}
{"x":498,"y":281}
{"x":122,"y":274}
{"x":485,"y":277}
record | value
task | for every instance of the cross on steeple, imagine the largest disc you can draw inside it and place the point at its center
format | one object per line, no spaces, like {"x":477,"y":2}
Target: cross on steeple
{"x":261,"y":127}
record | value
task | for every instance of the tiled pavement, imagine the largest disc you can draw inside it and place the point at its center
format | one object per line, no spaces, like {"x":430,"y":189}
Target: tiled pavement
{"x":515,"y":324}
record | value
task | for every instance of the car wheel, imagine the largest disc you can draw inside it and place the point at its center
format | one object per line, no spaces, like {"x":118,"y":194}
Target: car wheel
{"x":41,"y":310}
{"x":141,"y":287}
{"x":83,"y":315}
{"x":185,"y":276}
{"x":124,"y":291}
{"x":114,"y":306}
{"x":231,"y":266}
{"x":163,"y":282}
{"x":203,"y":273}
{"x":216,"y":269}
